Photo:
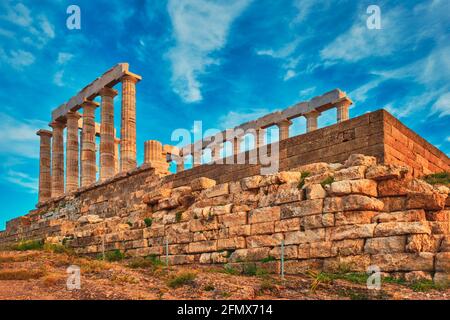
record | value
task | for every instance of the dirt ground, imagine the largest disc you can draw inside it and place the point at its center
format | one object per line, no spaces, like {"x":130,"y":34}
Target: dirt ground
{"x":42,"y":275}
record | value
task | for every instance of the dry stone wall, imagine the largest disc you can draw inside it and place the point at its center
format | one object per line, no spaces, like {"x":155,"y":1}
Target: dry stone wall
{"x":328,"y":216}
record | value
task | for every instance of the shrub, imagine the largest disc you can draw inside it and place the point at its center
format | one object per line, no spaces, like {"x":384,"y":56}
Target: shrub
{"x":209,"y":287}
{"x":178,"y":216}
{"x":327,"y":181}
{"x":268,"y":259}
{"x":438,"y":178}
{"x":115,"y":255}
{"x":20,"y":274}
{"x":148,"y":262}
{"x":57,"y":248}
{"x":426,"y":285}
{"x":148,"y":222}
{"x":303,"y":176}
{"x":25,"y":245}
{"x":182,"y":279}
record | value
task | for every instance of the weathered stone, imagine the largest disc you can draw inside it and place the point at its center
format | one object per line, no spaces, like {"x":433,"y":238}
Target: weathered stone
{"x":401,"y":216}
{"x":385,"y":245}
{"x":265,"y":240}
{"x":243,"y":230}
{"x":404,"y":261}
{"x":414,"y":276}
{"x":90,"y":218}
{"x":441,"y":215}
{"x":443,"y":262}
{"x":303,"y":208}
{"x":251,"y":182}
{"x":203,"y":225}
{"x":289,"y":176}
{"x":438,"y":227}
{"x":297,"y":237}
{"x":361,"y":203}
{"x":320,"y":249}
{"x":314,"y":168}
{"x":233,"y":219}
{"x":347,"y":247}
{"x":221,"y":210}
{"x":262,"y":228}
{"x":352,"y":232}
{"x":351,"y":173}
{"x":202,"y":183}
{"x":362,"y":186}
{"x":360,"y":160}
{"x":315,"y":191}
{"x":442,"y":278}
{"x":202,"y":246}
{"x":422,"y":243}
{"x":400,"y":228}
{"x":358,"y":263}
{"x":354,"y":217}
{"x":388,"y":188}
{"x":427,"y":201}
{"x":231,"y":243}
{"x":287,"y":225}
{"x":386,"y":172}
{"x":290,"y":252}
{"x":288,"y":193}
{"x":251,"y":254}
{"x":264,"y":215}
{"x":317,"y":221}
{"x":393,"y":203}
{"x":217,"y":191}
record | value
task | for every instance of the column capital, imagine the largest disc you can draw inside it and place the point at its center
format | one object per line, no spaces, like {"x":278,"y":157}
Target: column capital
{"x":285,"y":122}
{"x":73,"y":115}
{"x":89,"y":104}
{"x":57,"y":124}
{"x":43,"y":133}
{"x":312,"y":114}
{"x":131,"y":77}
{"x":108,"y":92}
{"x":344,"y":102}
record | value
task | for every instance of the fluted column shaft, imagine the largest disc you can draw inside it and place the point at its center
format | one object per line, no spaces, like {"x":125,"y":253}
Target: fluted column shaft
{"x":153,"y":151}
{"x":180,"y":164}
{"x":343,"y":110}
{"x":107,"y":147}
{"x":311,"y":120}
{"x":45,"y":177}
{"x":215,"y":152}
{"x":57,"y":159}
{"x":72,"y":152}
{"x":237,"y":145}
{"x":128,"y":126}
{"x":197,"y":158}
{"x":88,"y":156}
{"x":116,"y":156}
{"x":283,"y":127}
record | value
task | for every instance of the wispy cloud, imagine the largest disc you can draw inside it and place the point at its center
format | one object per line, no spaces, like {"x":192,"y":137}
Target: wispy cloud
{"x":200,"y":28}
{"x":24,"y":142}
{"x":17,"y":59}
{"x":18,"y":14}
{"x":23,"y":180}
{"x":233,"y":118}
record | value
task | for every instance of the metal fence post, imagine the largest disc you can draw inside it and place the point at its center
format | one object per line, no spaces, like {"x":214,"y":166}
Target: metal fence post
{"x":282,"y":259}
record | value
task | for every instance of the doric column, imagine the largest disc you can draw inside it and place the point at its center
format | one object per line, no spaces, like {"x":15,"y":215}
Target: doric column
{"x":116,"y":156}
{"x":45,"y":177}
{"x":72,"y":152}
{"x":311,"y":120}
{"x":88,"y":156}
{"x":128,"y":127}
{"x":57,"y":158}
{"x":107,"y":133}
{"x":342,"y":110}
{"x":237,"y":145}
{"x":283,"y":127}
{"x":215,"y":152}
{"x":260,"y":137}
{"x":153,"y":156}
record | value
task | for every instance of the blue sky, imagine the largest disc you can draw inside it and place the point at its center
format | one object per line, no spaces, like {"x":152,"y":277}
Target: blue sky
{"x":221,"y":62}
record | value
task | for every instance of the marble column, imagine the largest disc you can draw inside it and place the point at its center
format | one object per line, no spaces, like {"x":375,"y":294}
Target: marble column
{"x":180,"y":164}
{"x":311,"y":120}
{"x":107,"y":147}
{"x":237,"y":145}
{"x":153,"y":151}
{"x":343,"y":110}
{"x":128,"y":126}
{"x":116,"y":155}
{"x":197,"y":158}
{"x":215,"y":152}
{"x":45,"y":177}
{"x":283,"y":127}
{"x":57,"y":158}
{"x":88,"y":154}
{"x":72,"y":152}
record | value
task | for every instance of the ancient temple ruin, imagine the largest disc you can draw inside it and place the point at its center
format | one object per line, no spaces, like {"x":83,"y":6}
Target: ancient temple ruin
{"x":348,"y":194}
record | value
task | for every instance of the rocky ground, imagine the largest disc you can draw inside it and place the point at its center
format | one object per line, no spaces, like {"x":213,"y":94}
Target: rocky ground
{"x":42,"y":275}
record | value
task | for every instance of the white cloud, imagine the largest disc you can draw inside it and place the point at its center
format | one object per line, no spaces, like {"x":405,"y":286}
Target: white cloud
{"x":17,"y":59}
{"x":448,"y":139}
{"x":289,"y":75}
{"x":442,"y":105}
{"x":47,"y":28}
{"x":6,"y":33}
{"x":64,"y":57}
{"x":23,"y":180}
{"x":200,"y":28}
{"x":18,"y":14}
{"x":307,"y":93}
{"x":23,"y":142}
{"x":233,"y":118}
{"x":58,"y":78}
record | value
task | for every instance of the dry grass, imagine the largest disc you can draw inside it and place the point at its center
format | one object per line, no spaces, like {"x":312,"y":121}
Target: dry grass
{"x":21,"y":274}
{"x":16,"y":258}
{"x":92,"y":266}
{"x":52,"y":279}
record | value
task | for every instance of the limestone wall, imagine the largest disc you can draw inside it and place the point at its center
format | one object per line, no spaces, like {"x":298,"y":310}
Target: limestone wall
{"x":329,"y":217}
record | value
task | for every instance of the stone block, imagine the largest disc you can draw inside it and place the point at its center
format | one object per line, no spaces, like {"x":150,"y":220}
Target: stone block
{"x":347,"y":247}
{"x":427,"y":201}
{"x":399,"y":228}
{"x":272,"y":240}
{"x":361,"y":186}
{"x":422,"y":243}
{"x":202,"y":183}
{"x":231,"y":243}
{"x":400,"y":216}
{"x":352,"y":231}
{"x":202,"y":246}
{"x":302,"y":266}
{"x":385,"y":245}
{"x":386,"y":172}
{"x":360,"y":160}
{"x":217,"y":191}
{"x":233,"y":219}
{"x":266,"y":214}
{"x":443,"y":262}
{"x":351,"y":173}
{"x":315,"y":191}
{"x":357,"y":263}
{"x":307,"y":236}
{"x":287,"y":225}
{"x":301,"y":209}
{"x":251,"y":182}
{"x":290,"y":252}
{"x":262,"y":228}
{"x":317,"y":221}
{"x":354,"y":217}
{"x":404,"y":261}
